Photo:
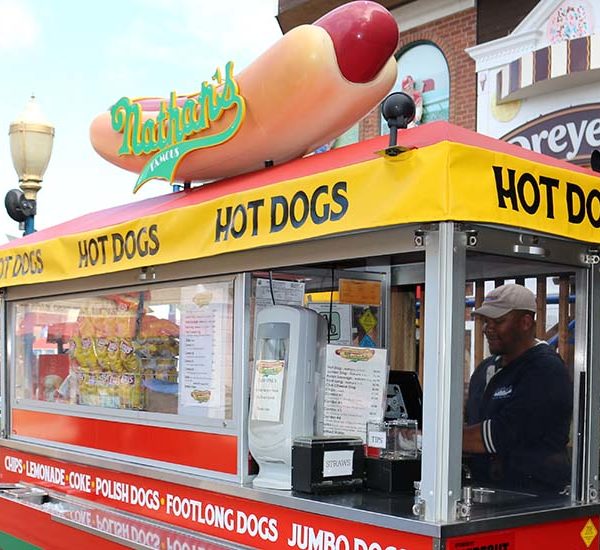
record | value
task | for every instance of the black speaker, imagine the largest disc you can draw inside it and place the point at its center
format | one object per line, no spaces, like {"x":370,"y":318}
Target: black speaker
{"x":18,"y":207}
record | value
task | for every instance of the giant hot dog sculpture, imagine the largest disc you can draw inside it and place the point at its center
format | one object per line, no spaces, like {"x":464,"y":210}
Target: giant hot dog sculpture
{"x":306,"y":90}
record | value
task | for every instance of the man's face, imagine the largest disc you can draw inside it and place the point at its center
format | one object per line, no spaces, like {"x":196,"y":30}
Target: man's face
{"x":505,"y":333}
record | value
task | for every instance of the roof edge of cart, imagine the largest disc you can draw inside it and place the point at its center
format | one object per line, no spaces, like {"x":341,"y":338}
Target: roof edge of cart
{"x":447,"y":173}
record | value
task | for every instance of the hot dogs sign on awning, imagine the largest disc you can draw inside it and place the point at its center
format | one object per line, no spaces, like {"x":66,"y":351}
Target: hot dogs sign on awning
{"x":449,"y":177}
{"x":307,"y":89}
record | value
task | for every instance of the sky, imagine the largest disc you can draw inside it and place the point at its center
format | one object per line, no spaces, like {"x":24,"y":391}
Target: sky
{"x":78,"y":58}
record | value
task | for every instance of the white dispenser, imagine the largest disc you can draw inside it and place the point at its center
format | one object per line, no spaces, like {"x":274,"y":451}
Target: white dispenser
{"x":289,"y":350}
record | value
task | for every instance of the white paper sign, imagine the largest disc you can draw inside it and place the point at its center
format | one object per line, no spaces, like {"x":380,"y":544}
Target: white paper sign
{"x":204,"y":349}
{"x":355,"y":389}
{"x":288,"y":293}
{"x":268,"y":391}
{"x":337,"y":463}
{"x":376,"y":440}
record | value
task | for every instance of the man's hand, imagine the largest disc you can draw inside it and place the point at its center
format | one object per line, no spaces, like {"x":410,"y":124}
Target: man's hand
{"x":472,"y":439}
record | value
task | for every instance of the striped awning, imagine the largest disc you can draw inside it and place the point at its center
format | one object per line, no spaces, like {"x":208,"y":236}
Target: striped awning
{"x":560,"y":65}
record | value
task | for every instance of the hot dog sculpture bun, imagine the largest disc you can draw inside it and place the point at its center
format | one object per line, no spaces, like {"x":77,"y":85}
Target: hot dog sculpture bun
{"x":306,"y":90}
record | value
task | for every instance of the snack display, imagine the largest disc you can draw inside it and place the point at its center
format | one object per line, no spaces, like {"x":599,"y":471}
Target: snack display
{"x":116,"y":354}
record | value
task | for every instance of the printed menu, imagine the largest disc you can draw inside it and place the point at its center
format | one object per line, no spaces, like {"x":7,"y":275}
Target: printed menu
{"x":204,"y":349}
{"x":355,"y":386}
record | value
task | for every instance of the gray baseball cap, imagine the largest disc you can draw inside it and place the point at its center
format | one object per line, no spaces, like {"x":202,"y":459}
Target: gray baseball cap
{"x":506,"y":298}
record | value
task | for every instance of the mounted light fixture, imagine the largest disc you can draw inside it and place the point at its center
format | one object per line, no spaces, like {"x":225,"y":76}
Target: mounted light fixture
{"x":31,"y":138}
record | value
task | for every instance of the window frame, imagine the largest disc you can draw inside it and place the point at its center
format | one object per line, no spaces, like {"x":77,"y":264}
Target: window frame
{"x":228,"y":426}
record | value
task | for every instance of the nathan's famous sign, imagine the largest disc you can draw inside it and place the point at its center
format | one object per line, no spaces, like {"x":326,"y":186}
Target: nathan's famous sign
{"x":306,"y":90}
{"x":166,"y":133}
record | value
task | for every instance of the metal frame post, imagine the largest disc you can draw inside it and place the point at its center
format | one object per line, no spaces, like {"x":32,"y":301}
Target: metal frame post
{"x":445,"y":272}
{"x":29,"y":225}
{"x":591,"y":431}
{"x":242,"y":376}
{"x":4,"y":378}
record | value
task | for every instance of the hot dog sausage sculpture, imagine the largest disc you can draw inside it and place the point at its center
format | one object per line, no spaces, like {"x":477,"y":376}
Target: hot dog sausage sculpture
{"x":306,"y":90}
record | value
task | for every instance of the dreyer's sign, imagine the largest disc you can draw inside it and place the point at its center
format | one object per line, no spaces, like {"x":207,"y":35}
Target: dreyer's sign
{"x":570,"y":134}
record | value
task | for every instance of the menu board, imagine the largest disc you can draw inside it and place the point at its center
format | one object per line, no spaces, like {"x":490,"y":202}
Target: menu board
{"x":204,"y":349}
{"x":355,"y":388}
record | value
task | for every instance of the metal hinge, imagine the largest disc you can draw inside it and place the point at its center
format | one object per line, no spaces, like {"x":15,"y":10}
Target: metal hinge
{"x":418,"y":508}
{"x":463,"y":506}
{"x":419,"y":237}
{"x":592,"y":256}
{"x":472,"y":237}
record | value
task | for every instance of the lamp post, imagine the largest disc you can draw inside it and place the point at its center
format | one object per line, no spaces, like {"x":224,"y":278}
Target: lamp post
{"x":31,"y":137}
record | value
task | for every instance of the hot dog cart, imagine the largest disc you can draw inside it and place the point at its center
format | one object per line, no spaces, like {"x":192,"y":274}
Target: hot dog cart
{"x":129,"y":335}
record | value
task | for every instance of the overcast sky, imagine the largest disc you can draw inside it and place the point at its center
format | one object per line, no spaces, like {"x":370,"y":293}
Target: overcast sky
{"x":80,"y":57}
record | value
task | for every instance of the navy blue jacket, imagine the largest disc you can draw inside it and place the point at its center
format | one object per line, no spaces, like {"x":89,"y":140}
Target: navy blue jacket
{"x":525,"y":411}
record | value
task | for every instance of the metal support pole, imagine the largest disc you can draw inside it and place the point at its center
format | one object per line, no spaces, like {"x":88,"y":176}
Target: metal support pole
{"x":591,"y":431}
{"x":445,"y":268}
{"x":29,"y":225}
{"x":242,"y":337}
{"x":4,"y":378}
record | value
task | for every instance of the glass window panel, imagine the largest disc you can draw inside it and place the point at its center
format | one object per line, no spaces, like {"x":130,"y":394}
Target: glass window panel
{"x":519,"y":394}
{"x":165,"y":350}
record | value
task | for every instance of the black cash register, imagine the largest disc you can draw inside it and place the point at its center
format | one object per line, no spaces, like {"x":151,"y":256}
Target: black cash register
{"x":404,"y":396}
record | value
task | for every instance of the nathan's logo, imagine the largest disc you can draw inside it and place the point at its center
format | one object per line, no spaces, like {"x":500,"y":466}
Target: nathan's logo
{"x":176,"y":121}
{"x":502,"y":393}
{"x":355,"y":354}
{"x":528,"y":193}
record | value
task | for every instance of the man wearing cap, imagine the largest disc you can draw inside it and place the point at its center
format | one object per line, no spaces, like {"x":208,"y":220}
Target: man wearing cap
{"x":518,"y":411}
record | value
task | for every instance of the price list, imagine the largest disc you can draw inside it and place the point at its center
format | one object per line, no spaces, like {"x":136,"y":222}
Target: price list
{"x":203,"y":347}
{"x":355,"y":389}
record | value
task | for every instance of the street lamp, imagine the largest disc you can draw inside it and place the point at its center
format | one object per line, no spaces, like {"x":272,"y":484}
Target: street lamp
{"x":31,"y":137}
